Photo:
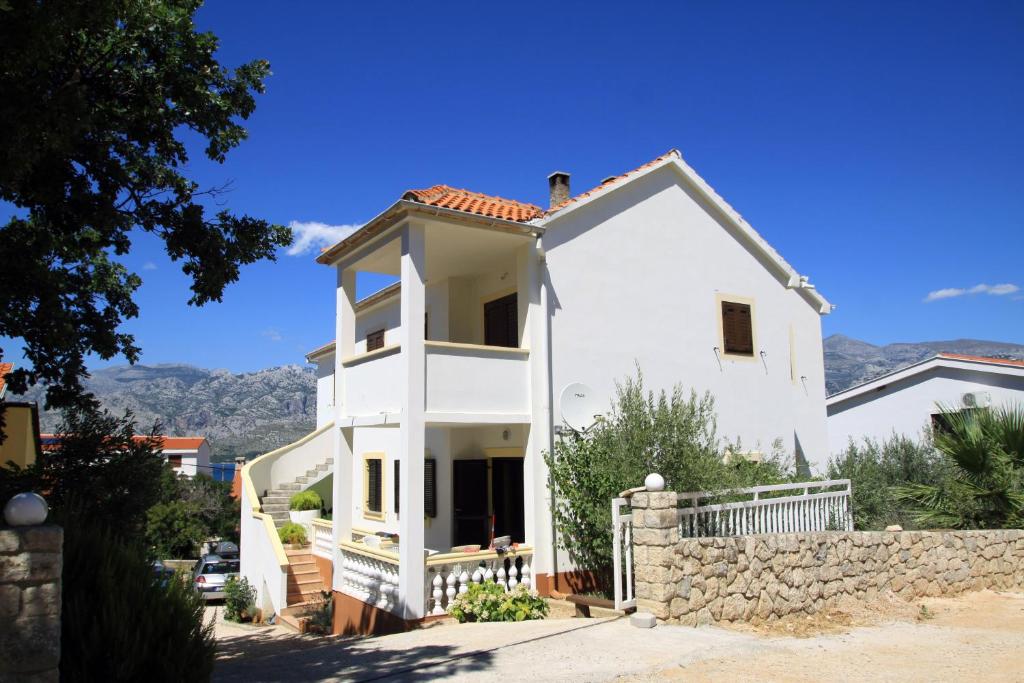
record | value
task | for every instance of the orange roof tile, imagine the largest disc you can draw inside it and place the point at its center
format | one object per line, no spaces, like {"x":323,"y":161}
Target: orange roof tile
{"x":613,"y":181}
{"x":169,"y":443}
{"x":5,"y":368}
{"x":447,"y":197}
{"x":983,"y":359}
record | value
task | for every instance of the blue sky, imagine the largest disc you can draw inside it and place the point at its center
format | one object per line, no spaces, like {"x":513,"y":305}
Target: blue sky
{"x":877,"y":146}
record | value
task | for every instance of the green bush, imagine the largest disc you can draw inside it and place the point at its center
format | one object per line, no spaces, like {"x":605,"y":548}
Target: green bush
{"x":239,"y":600}
{"x":671,"y":434}
{"x":875,"y":468}
{"x":174,"y":531}
{"x":292,"y":533}
{"x":489,"y":601}
{"x":306,"y":500}
{"x":118,"y":623}
{"x":984,"y":489}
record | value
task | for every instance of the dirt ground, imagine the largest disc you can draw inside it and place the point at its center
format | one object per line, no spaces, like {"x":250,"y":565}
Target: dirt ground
{"x":973,"y":637}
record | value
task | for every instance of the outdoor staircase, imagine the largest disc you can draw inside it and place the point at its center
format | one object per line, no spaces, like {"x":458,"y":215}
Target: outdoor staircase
{"x":276,"y":502}
{"x":304,"y":589}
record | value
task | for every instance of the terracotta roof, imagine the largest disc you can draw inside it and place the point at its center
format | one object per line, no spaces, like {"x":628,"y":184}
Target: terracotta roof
{"x":169,"y":443}
{"x":614,"y":181}
{"x":447,"y":197}
{"x":983,"y":359}
{"x":4,"y":369}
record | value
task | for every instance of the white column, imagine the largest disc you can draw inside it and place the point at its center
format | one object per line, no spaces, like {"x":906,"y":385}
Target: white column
{"x":528,"y":275}
{"x":545,"y":554}
{"x":411,"y":591}
{"x":344,"y":346}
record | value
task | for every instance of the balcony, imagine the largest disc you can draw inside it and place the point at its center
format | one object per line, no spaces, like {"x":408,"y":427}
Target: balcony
{"x":464,"y":383}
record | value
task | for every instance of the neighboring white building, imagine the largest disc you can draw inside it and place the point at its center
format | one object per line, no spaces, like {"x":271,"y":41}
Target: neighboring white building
{"x":499,"y":306}
{"x":904,"y":401}
{"x":187,"y":455}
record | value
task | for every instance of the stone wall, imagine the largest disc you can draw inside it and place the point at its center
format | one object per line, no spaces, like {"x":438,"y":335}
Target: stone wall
{"x":759,"y":578}
{"x":30,"y":569}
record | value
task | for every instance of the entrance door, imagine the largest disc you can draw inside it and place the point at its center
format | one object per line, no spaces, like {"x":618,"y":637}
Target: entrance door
{"x":501,"y":322}
{"x":507,"y":497}
{"x":469,"y":481}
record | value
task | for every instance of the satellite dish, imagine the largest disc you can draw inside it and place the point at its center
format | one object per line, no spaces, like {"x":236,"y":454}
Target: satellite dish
{"x":579,"y":407}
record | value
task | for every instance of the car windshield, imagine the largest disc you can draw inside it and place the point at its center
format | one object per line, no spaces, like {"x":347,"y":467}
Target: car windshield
{"x":221,"y":568}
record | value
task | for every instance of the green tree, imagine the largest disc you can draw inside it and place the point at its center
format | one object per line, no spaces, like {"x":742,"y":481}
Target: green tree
{"x":97,"y":98}
{"x":875,"y":468}
{"x":673,"y":434}
{"x":173,"y":530}
{"x":985,"y":490}
{"x":191,"y":510}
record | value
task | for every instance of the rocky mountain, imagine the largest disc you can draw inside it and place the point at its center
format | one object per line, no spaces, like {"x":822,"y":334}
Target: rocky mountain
{"x":244,"y":414}
{"x":850,"y":361}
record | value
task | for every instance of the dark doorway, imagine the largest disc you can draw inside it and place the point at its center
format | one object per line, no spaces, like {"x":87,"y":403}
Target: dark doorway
{"x":507,"y":497}
{"x":469,"y":498}
{"x":501,"y":322}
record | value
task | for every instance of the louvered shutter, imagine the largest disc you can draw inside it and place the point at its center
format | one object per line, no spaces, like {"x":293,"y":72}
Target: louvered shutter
{"x":429,"y":487}
{"x":375,"y":340}
{"x":373,"y":494}
{"x":737,"y":329}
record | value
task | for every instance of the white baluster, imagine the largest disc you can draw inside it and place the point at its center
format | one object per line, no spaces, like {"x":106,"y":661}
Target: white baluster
{"x":501,"y":577}
{"x":478,"y":576}
{"x":527,"y":579}
{"x":488,"y":575}
{"x":437,"y":593}
{"x":512,"y":574}
{"x":450,"y":591}
{"x":463,"y":582}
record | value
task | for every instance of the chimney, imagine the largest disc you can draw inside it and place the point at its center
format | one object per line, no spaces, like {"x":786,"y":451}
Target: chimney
{"x":236,"y":482}
{"x":558,"y":183}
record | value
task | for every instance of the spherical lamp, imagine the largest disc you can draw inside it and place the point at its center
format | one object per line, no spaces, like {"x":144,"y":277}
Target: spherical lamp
{"x":654,"y":482}
{"x":26,"y":509}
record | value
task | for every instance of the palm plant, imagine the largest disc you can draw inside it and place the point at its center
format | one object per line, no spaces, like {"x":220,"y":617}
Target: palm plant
{"x":985,"y":490}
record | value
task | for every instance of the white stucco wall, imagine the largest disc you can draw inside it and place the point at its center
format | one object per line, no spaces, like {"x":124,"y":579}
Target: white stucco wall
{"x":905,"y":406}
{"x":324,"y":389}
{"x":633,"y":280}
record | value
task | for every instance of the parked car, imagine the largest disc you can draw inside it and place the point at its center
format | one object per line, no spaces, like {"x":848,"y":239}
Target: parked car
{"x":227,"y":550}
{"x":210,"y":575}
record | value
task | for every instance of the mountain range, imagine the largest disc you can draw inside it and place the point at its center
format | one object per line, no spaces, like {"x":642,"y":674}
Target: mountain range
{"x":256,"y":412}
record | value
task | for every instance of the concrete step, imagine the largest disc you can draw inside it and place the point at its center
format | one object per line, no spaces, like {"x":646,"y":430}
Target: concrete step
{"x":323,"y":467}
{"x":299,"y":553}
{"x":329,"y":461}
{"x":295,"y":596}
{"x":275,"y":507}
{"x":305,"y":582}
{"x":294,"y":623}
{"x":274,"y":500}
{"x":289,"y":488}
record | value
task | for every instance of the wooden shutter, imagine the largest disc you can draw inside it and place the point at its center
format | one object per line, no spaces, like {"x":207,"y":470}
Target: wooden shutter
{"x":429,"y":487}
{"x":373,"y":484}
{"x":375,"y":340}
{"x":737,"y":328}
{"x":501,"y":322}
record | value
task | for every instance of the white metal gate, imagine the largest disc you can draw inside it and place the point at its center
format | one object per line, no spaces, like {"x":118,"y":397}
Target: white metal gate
{"x":622,"y":554}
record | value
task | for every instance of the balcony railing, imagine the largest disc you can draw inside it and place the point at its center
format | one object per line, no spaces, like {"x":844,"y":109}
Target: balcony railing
{"x":461,"y":379}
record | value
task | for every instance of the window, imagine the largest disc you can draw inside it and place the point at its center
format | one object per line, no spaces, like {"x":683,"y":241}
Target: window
{"x":375,"y":340}
{"x":174,"y":460}
{"x":429,"y":487}
{"x":373,"y":486}
{"x":737,"y":329}
{"x":501,"y":322}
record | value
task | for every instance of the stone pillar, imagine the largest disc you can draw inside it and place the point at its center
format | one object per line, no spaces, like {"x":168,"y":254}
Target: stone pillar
{"x":655,"y":534}
{"x":30,"y":570}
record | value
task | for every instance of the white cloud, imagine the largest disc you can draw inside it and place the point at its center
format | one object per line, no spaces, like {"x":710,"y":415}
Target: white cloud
{"x":149,"y":265}
{"x":272,"y":334}
{"x":951,"y":292}
{"x":311,"y":235}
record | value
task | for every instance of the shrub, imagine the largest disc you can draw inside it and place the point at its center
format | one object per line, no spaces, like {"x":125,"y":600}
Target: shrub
{"x":292,"y":533}
{"x":875,"y":468}
{"x":239,"y":600}
{"x":489,"y":601}
{"x":306,"y":500}
{"x":173,"y":530}
{"x":984,"y":450}
{"x":119,"y":621}
{"x":672,"y":434}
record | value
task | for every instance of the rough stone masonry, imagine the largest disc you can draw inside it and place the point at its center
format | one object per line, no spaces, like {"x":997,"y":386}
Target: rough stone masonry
{"x":765,"y":577}
{"x":30,"y":570}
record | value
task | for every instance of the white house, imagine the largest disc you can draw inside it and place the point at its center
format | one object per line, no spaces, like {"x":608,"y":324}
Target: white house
{"x":904,"y":402}
{"x":187,"y":455}
{"x":443,"y":391}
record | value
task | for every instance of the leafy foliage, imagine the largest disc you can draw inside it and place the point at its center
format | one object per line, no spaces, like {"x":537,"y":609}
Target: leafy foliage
{"x":98,"y":97}
{"x":672,"y":434}
{"x":875,"y":468}
{"x":118,"y":622}
{"x":173,"y":530}
{"x":239,"y":599}
{"x":985,"y":490}
{"x":321,"y":614}
{"x":292,"y":533}
{"x":489,"y":601}
{"x":305,"y":500}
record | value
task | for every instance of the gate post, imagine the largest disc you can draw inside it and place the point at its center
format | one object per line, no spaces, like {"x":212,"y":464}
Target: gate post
{"x":655,"y":532}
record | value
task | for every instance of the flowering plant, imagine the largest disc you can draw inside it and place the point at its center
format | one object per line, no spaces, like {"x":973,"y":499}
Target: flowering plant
{"x":489,"y":601}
